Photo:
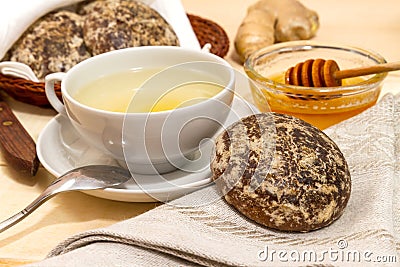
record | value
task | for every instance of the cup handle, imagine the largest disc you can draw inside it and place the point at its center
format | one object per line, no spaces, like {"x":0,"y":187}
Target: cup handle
{"x":51,"y":94}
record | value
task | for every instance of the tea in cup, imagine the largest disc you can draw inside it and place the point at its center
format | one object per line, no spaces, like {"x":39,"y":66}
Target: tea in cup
{"x":147,"y":107}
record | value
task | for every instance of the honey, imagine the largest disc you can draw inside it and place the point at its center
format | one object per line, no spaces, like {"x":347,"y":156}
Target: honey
{"x":319,"y":108}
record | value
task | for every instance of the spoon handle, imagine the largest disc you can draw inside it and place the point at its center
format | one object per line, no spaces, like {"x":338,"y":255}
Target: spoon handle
{"x":4,"y":225}
{"x":46,"y":195}
{"x":349,"y":73}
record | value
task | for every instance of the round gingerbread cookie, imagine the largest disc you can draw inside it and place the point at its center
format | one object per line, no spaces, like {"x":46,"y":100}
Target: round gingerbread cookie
{"x":54,"y":43}
{"x":281,"y":172}
{"x":115,"y":24}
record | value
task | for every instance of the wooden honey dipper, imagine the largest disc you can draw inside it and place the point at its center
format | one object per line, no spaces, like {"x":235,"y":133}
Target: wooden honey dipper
{"x":326,"y":73}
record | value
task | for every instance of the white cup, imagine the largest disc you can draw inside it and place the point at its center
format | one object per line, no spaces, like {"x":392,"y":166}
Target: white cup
{"x":152,"y":142}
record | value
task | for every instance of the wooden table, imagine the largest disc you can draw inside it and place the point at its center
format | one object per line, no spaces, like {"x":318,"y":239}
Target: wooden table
{"x":372,"y":24}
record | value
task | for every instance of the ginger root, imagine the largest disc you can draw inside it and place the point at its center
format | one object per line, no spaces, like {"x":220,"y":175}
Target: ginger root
{"x":271,"y":21}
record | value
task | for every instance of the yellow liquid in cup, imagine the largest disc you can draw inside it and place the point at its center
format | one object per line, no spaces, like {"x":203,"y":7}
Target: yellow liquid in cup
{"x":321,"y":113}
{"x":114,"y":92}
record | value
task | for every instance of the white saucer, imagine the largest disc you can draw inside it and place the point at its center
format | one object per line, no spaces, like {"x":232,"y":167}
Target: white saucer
{"x":60,"y":149}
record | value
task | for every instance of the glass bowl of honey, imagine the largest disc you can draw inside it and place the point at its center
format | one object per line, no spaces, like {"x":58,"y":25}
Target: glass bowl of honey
{"x":320,"y":106}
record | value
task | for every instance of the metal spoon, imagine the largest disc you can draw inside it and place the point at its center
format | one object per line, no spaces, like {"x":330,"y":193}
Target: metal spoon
{"x":83,"y":178}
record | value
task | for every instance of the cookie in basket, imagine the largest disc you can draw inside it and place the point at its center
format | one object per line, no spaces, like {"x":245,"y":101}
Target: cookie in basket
{"x":115,"y":24}
{"x":53,"y":43}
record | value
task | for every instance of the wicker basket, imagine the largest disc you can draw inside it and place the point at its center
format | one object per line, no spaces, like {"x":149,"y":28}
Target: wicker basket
{"x":33,"y":93}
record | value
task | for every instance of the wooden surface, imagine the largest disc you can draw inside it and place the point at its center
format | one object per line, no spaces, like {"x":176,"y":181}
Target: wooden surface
{"x":371,"y":24}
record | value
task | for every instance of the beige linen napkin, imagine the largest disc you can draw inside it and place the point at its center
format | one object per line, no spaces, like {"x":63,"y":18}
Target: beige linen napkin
{"x":187,"y":232}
